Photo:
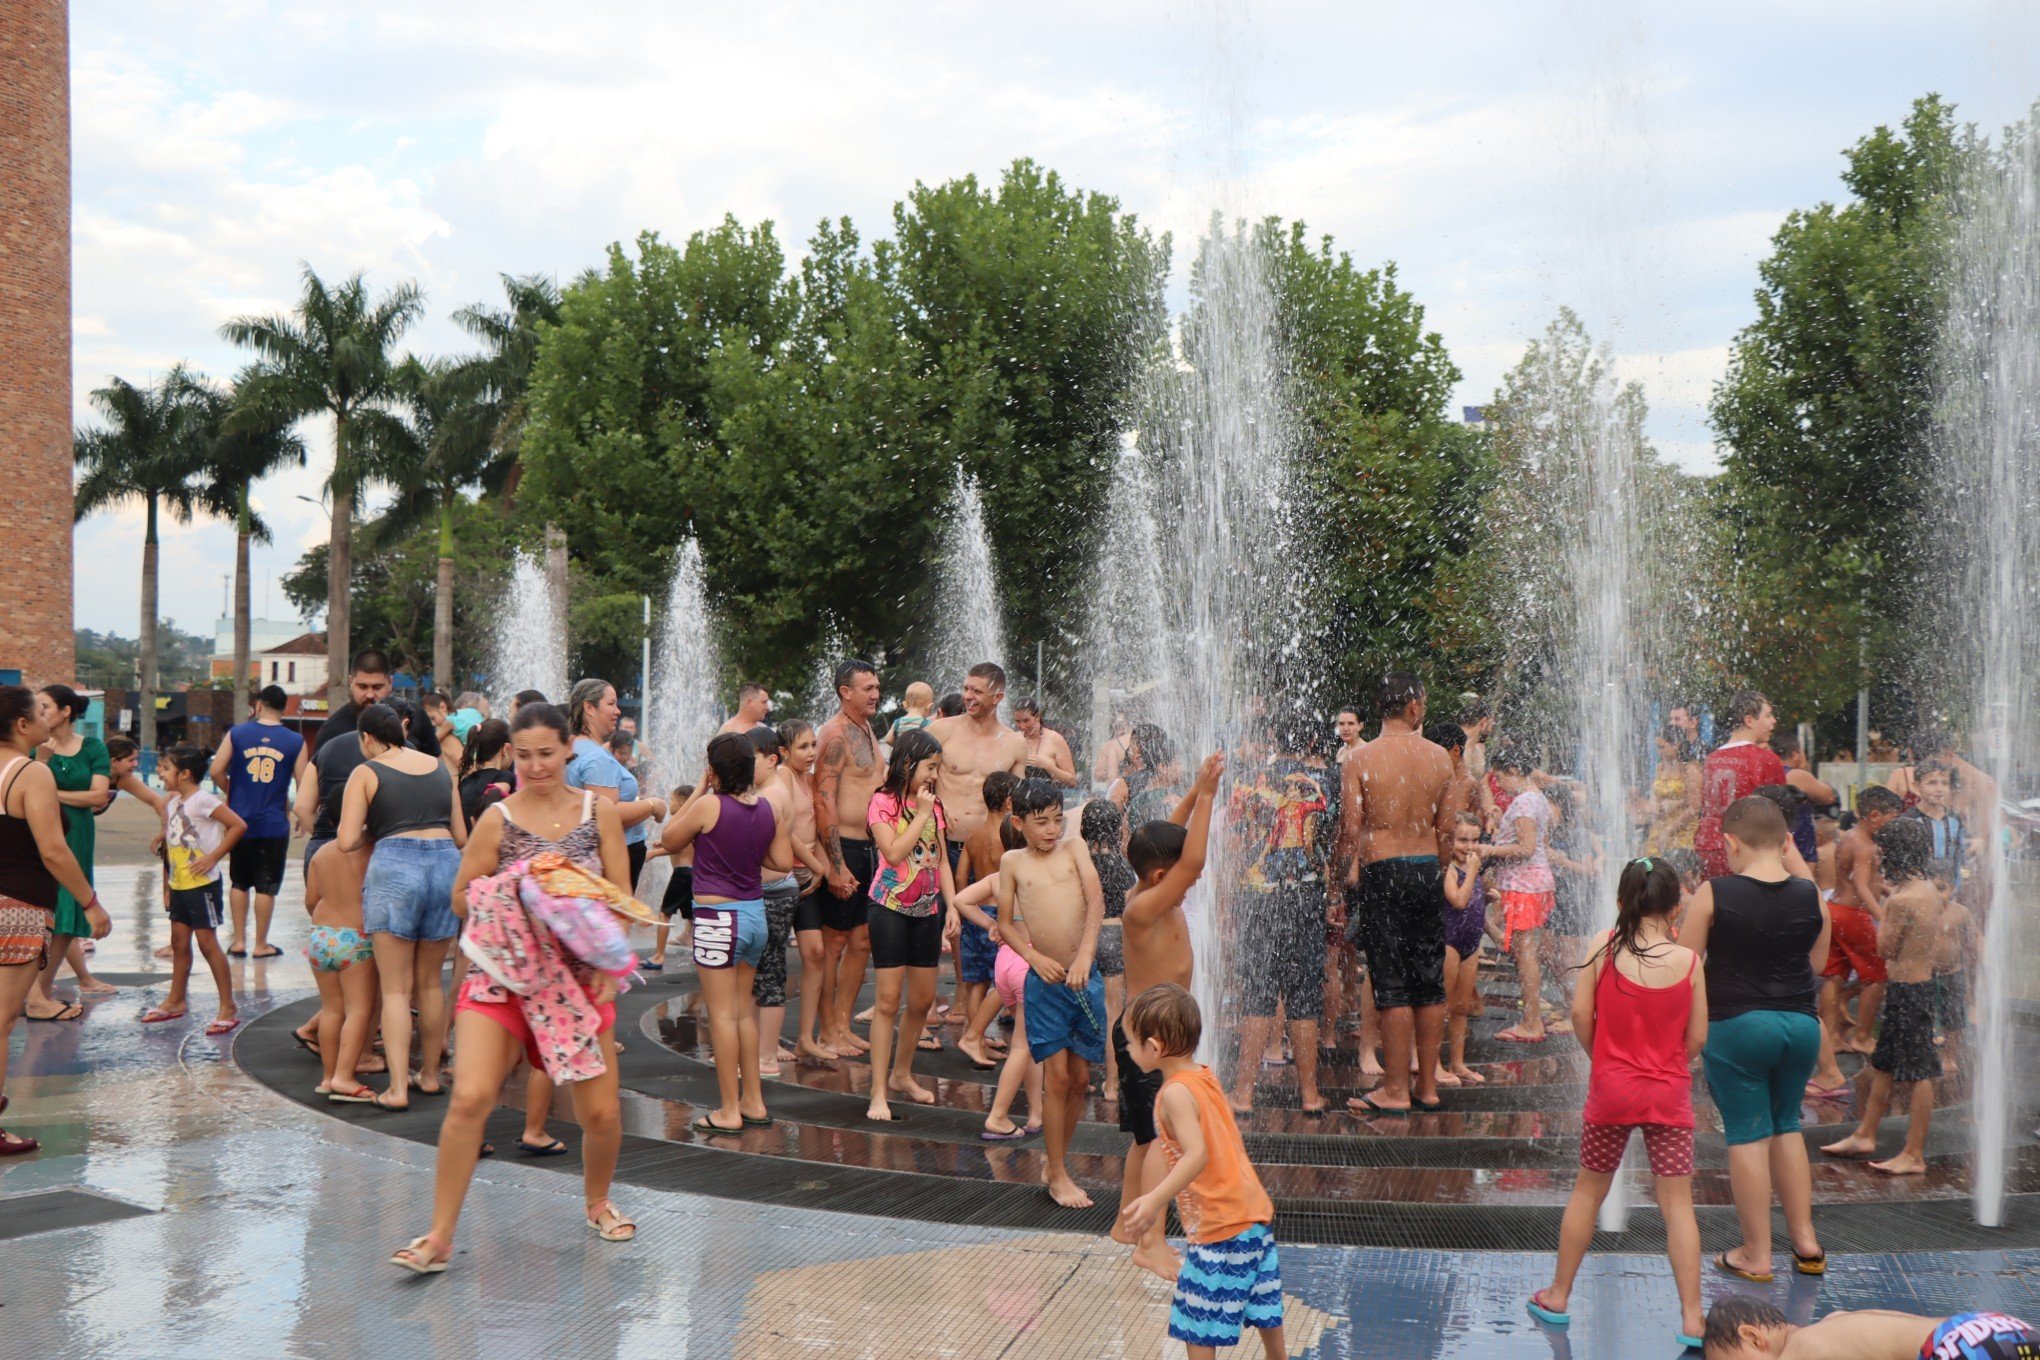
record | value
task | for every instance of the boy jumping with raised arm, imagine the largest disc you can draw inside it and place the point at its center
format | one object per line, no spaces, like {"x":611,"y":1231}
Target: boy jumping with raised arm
{"x":1231,"y":1277}
{"x":1052,"y":887}
{"x":1167,"y":859}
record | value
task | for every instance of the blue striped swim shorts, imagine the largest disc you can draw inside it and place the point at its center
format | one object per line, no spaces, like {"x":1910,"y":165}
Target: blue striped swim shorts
{"x":1225,"y":1287}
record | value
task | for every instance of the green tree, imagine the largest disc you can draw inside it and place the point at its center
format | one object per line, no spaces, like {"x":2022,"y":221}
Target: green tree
{"x":148,"y":450}
{"x":238,"y":453}
{"x":333,"y":354}
{"x":1827,"y":416}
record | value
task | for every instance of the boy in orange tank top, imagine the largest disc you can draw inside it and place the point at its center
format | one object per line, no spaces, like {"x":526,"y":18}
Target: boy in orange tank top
{"x":1231,"y":1278}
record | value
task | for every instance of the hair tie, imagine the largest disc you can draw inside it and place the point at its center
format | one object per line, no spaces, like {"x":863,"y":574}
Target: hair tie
{"x":1645,"y":862}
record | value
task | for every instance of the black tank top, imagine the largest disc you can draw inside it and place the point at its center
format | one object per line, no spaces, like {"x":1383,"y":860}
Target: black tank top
{"x":22,"y":875}
{"x":1759,"y":948}
{"x":410,"y":802}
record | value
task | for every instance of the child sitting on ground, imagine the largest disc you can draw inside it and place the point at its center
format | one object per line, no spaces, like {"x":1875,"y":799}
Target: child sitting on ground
{"x":198,"y":831}
{"x":1741,"y":1327}
{"x":343,"y":964}
{"x":1910,"y":939}
{"x":919,"y":700}
{"x":1640,"y":1011}
{"x":1231,"y":1277}
{"x":1051,"y":887}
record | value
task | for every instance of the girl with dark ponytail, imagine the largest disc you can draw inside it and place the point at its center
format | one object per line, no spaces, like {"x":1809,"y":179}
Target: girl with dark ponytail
{"x":1640,"y":1010}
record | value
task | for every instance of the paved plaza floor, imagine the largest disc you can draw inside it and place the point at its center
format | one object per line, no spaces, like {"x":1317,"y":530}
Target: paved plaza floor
{"x":182,"y":1207}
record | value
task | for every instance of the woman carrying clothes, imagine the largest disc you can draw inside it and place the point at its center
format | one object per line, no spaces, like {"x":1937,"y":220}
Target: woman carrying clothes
{"x":35,"y":865}
{"x":1764,"y":932}
{"x":405,"y":802}
{"x":592,"y":713}
{"x":544,"y":814}
{"x":910,"y":910}
{"x":84,"y":775}
{"x":736,"y":836}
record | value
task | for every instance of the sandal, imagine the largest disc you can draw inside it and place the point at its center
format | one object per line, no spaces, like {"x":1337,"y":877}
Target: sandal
{"x":1809,"y":1265}
{"x":65,"y":1013}
{"x":620,"y":1229}
{"x":156,"y":1016}
{"x":1721,"y":1263}
{"x":1550,"y":1317}
{"x":555,"y":1148}
{"x":412,"y":1257}
{"x":708,"y":1125}
{"x":360,"y":1095}
{"x":14,"y":1144}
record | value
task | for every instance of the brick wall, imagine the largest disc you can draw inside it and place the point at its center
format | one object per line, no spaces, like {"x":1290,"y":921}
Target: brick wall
{"x":35,"y":337}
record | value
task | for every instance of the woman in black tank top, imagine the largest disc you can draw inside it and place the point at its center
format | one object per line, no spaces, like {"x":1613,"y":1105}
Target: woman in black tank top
{"x":34,"y":862}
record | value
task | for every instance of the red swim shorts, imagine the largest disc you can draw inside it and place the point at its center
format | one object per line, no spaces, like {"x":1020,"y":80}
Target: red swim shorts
{"x":1852,"y":944}
{"x":1524,"y":911}
{"x":1670,"y":1149}
{"x":507,"y":1014}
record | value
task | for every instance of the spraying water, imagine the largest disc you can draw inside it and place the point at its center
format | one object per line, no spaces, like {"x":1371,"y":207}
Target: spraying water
{"x":969,"y":630}
{"x":681,"y":712}
{"x":1991,"y":446}
{"x":529,"y":649}
{"x":821,"y":699}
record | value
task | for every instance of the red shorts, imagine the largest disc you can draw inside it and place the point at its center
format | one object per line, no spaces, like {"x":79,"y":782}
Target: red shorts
{"x":1670,"y":1149}
{"x":507,"y":1014}
{"x":1524,"y":911}
{"x":1852,"y":944}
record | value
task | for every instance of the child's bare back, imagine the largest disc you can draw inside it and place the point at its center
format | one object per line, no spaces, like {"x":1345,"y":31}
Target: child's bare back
{"x":1911,"y":936}
{"x":333,"y":887}
{"x":1158,"y":949}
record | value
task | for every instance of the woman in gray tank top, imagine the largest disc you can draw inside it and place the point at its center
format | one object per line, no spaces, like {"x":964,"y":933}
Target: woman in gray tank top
{"x":407,"y":804}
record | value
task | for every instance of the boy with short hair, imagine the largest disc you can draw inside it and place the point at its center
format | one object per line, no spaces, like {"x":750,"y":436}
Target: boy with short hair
{"x":1052,"y":886}
{"x":198,"y":831}
{"x":1934,"y":783}
{"x":1231,"y":1277}
{"x":977,"y":1001}
{"x":1167,"y":860}
{"x":1951,"y":970}
{"x":1855,"y":910}
{"x":1909,"y":937}
{"x":1743,"y":1327}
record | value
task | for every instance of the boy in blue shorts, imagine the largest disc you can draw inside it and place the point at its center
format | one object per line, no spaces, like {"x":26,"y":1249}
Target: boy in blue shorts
{"x":1051,"y":887}
{"x":1231,"y":1277}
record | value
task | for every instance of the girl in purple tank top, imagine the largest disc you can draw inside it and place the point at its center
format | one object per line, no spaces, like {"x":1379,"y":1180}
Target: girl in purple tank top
{"x":737,"y":833}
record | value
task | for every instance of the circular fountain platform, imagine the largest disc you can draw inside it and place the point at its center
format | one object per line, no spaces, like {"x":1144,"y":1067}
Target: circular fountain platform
{"x":1491,"y":1171}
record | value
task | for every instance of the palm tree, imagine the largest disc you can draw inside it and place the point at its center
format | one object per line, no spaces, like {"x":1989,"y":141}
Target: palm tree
{"x":332,"y":355}
{"x":238,"y":453}
{"x":146,"y":452}
{"x":445,"y":444}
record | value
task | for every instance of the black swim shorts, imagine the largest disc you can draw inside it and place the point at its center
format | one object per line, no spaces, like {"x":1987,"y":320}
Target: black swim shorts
{"x":1281,"y":951}
{"x":845,"y":914}
{"x":1138,"y":1090}
{"x":1403,"y":930}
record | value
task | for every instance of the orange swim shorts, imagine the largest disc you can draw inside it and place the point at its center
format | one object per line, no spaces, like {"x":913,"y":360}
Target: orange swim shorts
{"x":1524,"y":911}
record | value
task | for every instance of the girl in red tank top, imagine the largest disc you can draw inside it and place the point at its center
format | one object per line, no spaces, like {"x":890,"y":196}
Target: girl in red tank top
{"x":1640,"y":1011}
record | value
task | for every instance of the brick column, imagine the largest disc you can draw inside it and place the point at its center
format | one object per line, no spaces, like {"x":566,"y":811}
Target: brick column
{"x":35,"y":338}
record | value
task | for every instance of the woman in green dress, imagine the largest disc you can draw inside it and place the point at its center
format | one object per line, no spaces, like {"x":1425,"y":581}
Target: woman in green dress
{"x":83,"y":772}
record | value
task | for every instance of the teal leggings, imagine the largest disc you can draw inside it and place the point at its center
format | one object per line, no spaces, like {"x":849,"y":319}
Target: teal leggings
{"x":1757,"y":1065}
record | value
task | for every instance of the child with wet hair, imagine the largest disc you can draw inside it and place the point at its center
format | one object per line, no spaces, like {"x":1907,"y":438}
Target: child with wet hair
{"x":1741,"y":1327}
{"x":1640,"y":1011}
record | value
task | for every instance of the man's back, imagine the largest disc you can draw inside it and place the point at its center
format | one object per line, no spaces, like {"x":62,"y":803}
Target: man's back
{"x":260,"y":761}
{"x":1734,"y":771}
{"x":1399,"y":789}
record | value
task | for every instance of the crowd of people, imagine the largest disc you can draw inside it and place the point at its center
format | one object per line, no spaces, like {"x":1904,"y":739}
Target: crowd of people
{"x":1363,"y":881}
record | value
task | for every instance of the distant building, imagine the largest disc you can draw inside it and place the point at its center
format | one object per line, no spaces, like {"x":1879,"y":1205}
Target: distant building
{"x":263,"y":635}
{"x":298,"y":665}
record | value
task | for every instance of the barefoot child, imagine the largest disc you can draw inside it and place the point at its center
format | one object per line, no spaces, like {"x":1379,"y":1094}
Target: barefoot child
{"x":1231,"y":1277}
{"x":1910,"y":939}
{"x":679,"y":896}
{"x":1740,"y":1327}
{"x":1640,"y":1011}
{"x":1855,"y":910}
{"x":1523,"y":874}
{"x":1167,"y":859}
{"x":977,"y":999}
{"x":909,"y":913}
{"x":1104,"y":831}
{"x":343,"y":964}
{"x":198,"y":831}
{"x":1009,"y":977}
{"x":1951,"y":971}
{"x":1051,"y":887}
{"x":1465,"y":919}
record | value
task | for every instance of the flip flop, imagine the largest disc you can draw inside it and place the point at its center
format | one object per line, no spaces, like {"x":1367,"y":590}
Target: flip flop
{"x":1551,"y":1317}
{"x":928,"y":1043}
{"x":707,"y":1125}
{"x":156,"y":1016}
{"x":1507,"y":1037}
{"x":71,"y":1012}
{"x":1827,"y":1092}
{"x":553,"y":1149}
{"x":994,"y":1136}
{"x":1809,"y":1265}
{"x":1721,"y":1264}
{"x":219,"y":1027}
{"x":310,"y":1046}
{"x":237,"y":953}
{"x":274,"y":953}
{"x":360,"y":1095}
{"x":382,"y":1104}
{"x":1368,"y":1101}
{"x":765,"y":1123}
{"x":1691,"y":1343}
{"x":1427,"y":1106}
{"x":651,"y":967}
{"x":416,"y":1262}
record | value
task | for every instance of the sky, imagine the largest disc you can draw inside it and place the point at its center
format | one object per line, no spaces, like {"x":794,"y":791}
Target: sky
{"x":1628,"y":160}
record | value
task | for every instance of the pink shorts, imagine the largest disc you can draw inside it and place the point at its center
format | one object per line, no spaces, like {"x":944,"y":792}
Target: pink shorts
{"x":510,"y":1017}
{"x":1009,"y":975}
{"x":1670,"y":1149}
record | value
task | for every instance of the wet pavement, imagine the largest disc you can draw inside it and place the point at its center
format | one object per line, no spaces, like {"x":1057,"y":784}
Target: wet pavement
{"x":264,"y":1223}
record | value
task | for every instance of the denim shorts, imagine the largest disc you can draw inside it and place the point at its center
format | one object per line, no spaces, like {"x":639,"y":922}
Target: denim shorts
{"x":409,"y":889}
{"x":729,"y":933}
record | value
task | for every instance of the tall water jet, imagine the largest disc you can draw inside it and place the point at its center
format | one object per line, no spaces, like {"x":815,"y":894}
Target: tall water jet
{"x":1129,"y":648}
{"x":1990,"y":443}
{"x":968,"y":631}
{"x":821,"y":700}
{"x":529,"y":648}
{"x":682,"y":711}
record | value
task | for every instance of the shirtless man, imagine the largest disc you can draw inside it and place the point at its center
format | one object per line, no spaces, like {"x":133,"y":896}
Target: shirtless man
{"x":974,"y":744}
{"x":1051,"y":886}
{"x":1046,"y":748}
{"x":754,"y":706}
{"x":1856,"y":909}
{"x":847,"y":772}
{"x":1347,"y":725}
{"x":1167,"y":859}
{"x":1401,"y":805}
{"x":811,"y":872}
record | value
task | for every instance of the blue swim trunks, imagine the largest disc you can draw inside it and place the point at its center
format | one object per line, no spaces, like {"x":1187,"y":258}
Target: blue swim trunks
{"x":1226,"y":1287}
{"x":1060,"y":1017}
{"x":1982,"y":1336}
{"x":729,"y":933}
{"x":975,"y":953}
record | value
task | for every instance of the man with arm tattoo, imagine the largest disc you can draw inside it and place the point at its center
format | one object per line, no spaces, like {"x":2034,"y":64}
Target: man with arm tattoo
{"x":846,"y":774}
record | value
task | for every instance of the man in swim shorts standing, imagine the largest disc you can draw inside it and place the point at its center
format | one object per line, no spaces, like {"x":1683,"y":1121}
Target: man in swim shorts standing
{"x":847,"y":773}
{"x":1400,"y":807}
{"x":974,"y":744}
